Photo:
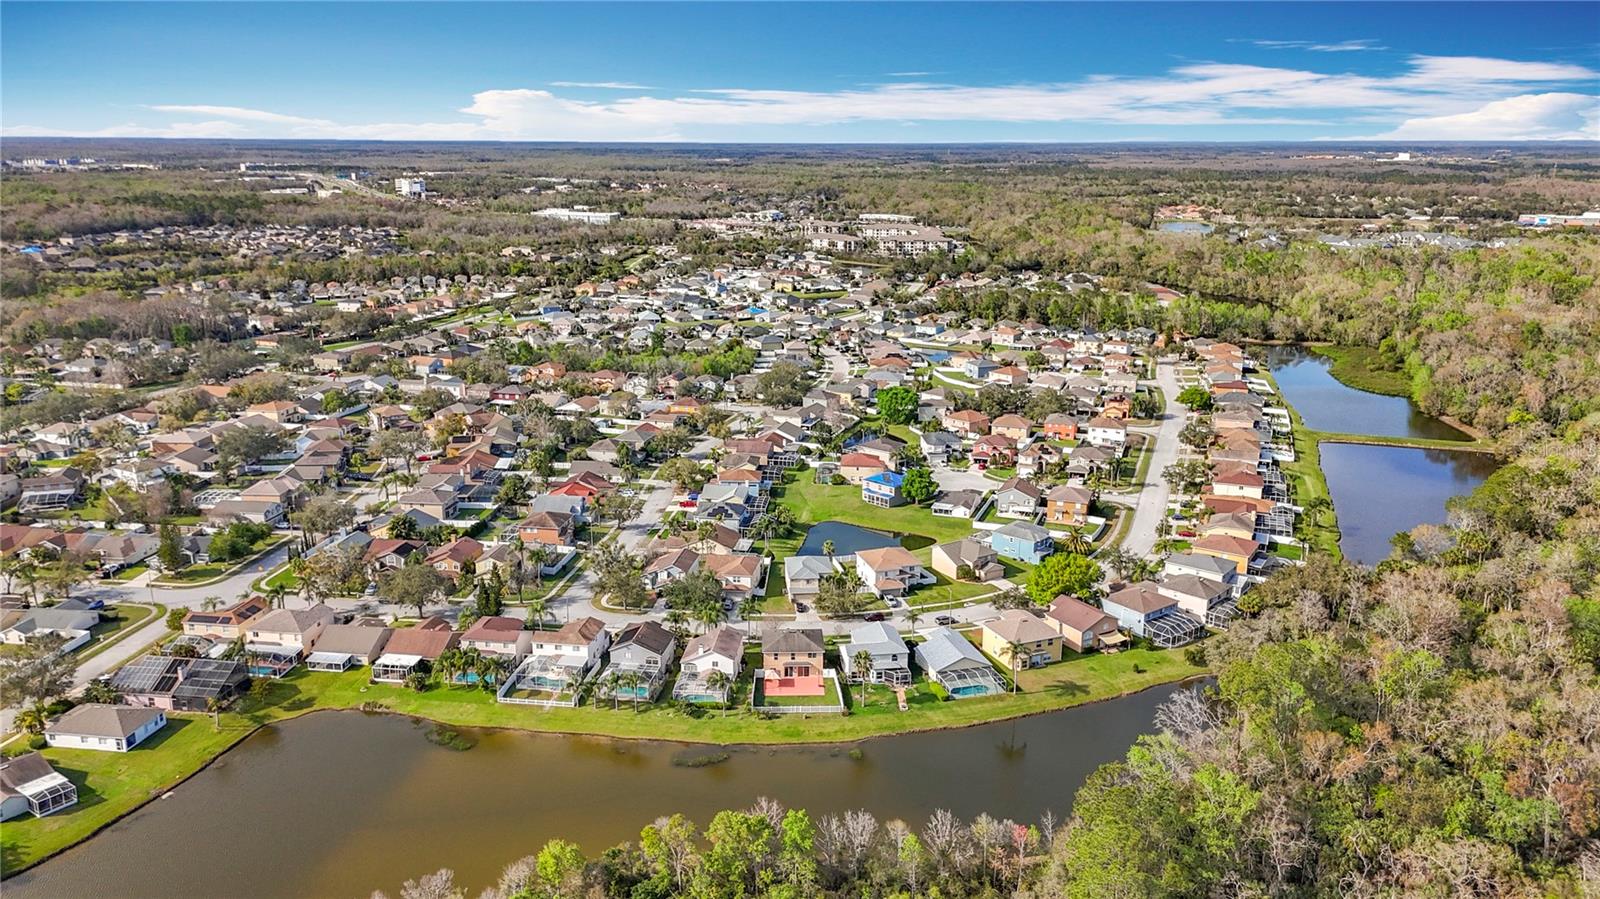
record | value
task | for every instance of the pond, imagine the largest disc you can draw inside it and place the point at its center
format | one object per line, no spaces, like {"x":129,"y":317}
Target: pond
{"x":848,"y":539}
{"x":1379,"y":491}
{"x":1186,"y":227}
{"x":1326,"y":404}
{"x":342,"y":803}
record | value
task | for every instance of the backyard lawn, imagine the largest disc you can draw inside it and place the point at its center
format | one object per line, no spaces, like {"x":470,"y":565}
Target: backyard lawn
{"x":813,"y":503}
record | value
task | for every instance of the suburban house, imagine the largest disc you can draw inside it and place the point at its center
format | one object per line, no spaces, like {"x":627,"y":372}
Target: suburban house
{"x":969,"y":552}
{"x":1023,"y":541}
{"x":103,"y":727}
{"x":803,"y":575}
{"x":29,"y":785}
{"x":497,"y":635}
{"x":957,"y":504}
{"x":646,"y":649}
{"x":1060,"y":426}
{"x":1013,"y":426}
{"x":557,"y":662}
{"x":739,"y":573}
{"x":409,"y":648}
{"x":718,"y":650}
{"x":891,"y":571}
{"x":179,"y":684}
{"x":73,"y":626}
{"x":670,"y":566}
{"x":1200,"y":565}
{"x":455,"y":557}
{"x":883,"y":489}
{"x":857,"y":467}
{"x":1237,"y":550}
{"x":792,"y":662}
{"x":341,"y":647}
{"x":966,"y":423}
{"x":1066,"y":504}
{"x":1083,"y":627}
{"x":1238,"y":483}
{"x":1020,"y":639}
{"x":1106,"y":432}
{"x":1145,"y":612}
{"x":939,"y":446}
{"x":891,"y":660}
{"x":548,"y":528}
{"x":951,"y":661}
{"x":276,"y":641}
{"x":1017,"y":498}
{"x":1209,"y":600}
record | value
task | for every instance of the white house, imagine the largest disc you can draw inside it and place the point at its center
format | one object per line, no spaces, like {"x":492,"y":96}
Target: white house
{"x":107,"y":728}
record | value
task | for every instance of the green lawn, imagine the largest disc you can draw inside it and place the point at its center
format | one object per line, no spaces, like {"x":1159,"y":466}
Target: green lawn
{"x":829,"y":697}
{"x":131,"y":572}
{"x":813,"y":503}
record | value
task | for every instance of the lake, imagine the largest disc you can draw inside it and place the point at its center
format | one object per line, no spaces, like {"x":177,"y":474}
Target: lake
{"x":1325,"y":404}
{"x":1379,"y":491}
{"x":1186,"y":227}
{"x":848,"y":539}
{"x":342,"y":803}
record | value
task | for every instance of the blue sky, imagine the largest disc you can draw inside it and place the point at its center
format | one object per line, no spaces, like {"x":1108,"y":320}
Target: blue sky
{"x":792,"y":72}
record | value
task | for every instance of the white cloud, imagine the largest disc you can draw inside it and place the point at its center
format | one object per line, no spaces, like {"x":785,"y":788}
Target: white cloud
{"x":1552,"y":116}
{"x":908,"y":74}
{"x":604,"y":85}
{"x":1350,"y":46}
{"x":1443,"y":95}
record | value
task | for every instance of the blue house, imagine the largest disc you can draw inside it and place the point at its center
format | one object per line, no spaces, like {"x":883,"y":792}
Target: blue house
{"x":1023,"y":541}
{"x":1144,"y":611}
{"x":883,"y":489}
{"x":978,"y":369}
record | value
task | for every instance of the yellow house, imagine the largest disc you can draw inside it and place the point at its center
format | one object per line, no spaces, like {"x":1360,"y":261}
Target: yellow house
{"x":1039,"y":644}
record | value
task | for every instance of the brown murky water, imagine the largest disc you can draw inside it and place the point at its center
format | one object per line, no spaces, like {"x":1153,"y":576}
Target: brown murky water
{"x":342,"y":803}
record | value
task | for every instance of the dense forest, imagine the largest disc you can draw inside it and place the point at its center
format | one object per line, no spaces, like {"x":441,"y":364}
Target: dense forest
{"x":1431,"y":728}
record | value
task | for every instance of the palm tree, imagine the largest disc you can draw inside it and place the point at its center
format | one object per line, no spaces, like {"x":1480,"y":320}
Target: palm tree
{"x":448,"y":664}
{"x":491,"y":670}
{"x":214,"y":706}
{"x":720,"y":681}
{"x":609,"y":684}
{"x":210,"y":603}
{"x":913,"y":615}
{"x":1016,"y":663}
{"x":677,"y":621}
{"x":630,"y":681}
{"x":750,"y":605}
{"x":1076,"y":542}
{"x":275,"y":594}
{"x":827,"y":550}
{"x":469,"y":660}
{"x":862,"y":662}
{"x":538,"y":610}
{"x":710,"y":615}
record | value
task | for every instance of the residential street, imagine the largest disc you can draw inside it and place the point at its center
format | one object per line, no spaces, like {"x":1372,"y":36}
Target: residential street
{"x":1151,"y":505}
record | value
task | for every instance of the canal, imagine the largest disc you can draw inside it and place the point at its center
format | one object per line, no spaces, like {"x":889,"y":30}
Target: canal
{"x":342,"y":803}
{"x":1377,"y":491}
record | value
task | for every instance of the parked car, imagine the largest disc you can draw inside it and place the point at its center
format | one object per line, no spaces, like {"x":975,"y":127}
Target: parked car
{"x":801,"y":607}
{"x":875,"y":616}
{"x":944,"y":620}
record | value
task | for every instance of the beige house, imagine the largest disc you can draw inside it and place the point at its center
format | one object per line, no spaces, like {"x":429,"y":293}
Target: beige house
{"x":1020,"y":631}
